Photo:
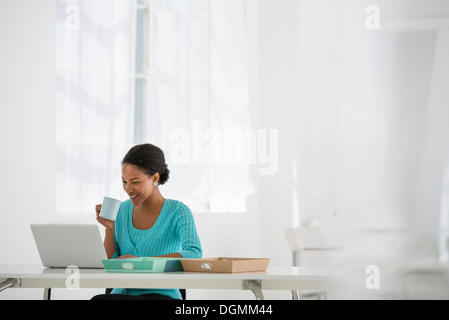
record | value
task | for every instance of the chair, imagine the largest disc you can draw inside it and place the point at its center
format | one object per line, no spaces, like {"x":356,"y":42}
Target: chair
{"x":182,"y":291}
{"x":309,"y":249}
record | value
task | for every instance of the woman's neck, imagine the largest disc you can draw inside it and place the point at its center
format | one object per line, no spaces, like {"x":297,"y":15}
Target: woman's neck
{"x":153,"y":204}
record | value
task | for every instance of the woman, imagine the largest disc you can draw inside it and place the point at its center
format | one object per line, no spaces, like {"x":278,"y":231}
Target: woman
{"x":148,"y":224}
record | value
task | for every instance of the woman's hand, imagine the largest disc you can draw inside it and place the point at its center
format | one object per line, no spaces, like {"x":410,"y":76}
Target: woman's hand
{"x":126,"y":256}
{"x":108,"y":224}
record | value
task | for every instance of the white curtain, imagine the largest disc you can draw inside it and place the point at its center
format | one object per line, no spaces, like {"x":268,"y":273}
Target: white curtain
{"x":198,"y":105}
{"x":437,"y":146}
{"x":95,"y":58}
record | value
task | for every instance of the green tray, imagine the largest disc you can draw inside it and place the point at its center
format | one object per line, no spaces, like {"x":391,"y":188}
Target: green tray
{"x":143,"y":265}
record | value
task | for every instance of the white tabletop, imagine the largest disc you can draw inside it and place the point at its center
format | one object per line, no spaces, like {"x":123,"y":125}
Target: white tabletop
{"x":275,"y":278}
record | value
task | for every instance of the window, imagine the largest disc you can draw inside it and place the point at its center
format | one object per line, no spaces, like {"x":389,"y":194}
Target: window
{"x":198,"y":97}
{"x":95,"y":94}
{"x":172,"y":73}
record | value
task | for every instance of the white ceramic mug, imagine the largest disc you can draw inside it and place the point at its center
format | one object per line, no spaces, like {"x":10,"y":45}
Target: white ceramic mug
{"x":109,"y":208}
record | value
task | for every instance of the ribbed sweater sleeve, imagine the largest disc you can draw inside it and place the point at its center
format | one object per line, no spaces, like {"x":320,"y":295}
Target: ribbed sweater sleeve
{"x":186,"y":230}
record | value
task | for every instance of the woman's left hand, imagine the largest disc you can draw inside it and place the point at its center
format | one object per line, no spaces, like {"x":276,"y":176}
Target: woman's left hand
{"x":126,"y":256}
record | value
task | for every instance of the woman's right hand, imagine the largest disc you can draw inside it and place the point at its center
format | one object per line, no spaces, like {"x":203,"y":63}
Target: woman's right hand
{"x":108,"y":224}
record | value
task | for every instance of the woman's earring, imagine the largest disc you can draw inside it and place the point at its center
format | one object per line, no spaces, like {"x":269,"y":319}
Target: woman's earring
{"x":155,"y":184}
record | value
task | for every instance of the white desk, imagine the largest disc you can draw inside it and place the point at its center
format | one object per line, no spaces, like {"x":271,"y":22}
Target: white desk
{"x":275,"y":278}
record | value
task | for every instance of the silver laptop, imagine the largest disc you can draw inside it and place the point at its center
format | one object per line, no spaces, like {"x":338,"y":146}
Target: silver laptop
{"x":62,"y":245}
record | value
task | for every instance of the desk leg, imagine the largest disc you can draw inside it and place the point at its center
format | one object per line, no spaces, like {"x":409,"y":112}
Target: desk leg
{"x":8,"y":283}
{"x":255,"y":287}
{"x":295,"y":295}
{"x":47,"y":293}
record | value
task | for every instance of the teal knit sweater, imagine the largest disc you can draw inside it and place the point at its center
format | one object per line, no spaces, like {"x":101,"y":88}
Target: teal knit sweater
{"x":173,"y":231}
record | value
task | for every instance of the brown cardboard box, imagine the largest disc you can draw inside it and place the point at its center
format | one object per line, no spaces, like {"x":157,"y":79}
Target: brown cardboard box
{"x":224,"y":264}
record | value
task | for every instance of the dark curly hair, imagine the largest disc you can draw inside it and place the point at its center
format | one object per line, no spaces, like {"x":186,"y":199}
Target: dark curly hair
{"x":148,"y":158}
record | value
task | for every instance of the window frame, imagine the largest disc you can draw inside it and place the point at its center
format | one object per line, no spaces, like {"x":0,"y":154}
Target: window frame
{"x":141,"y":78}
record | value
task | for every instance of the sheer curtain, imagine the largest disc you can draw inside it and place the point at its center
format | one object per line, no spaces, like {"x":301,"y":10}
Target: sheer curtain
{"x":95,"y":58}
{"x":437,"y":157}
{"x":198,"y":105}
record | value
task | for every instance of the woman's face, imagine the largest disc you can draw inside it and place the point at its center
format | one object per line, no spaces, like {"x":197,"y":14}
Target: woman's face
{"x":137,"y":184}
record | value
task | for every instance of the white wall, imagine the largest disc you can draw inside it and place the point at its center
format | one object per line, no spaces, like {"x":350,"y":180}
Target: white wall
{"x":360,"y":115}
{"x":279,"y":108}
{"x":26,"y":123}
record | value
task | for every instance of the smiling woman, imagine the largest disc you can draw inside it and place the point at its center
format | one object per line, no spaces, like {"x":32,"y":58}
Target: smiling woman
{"x":148,"y":224}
